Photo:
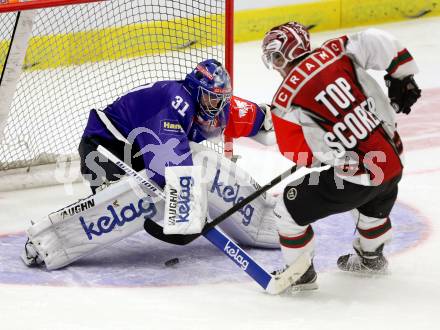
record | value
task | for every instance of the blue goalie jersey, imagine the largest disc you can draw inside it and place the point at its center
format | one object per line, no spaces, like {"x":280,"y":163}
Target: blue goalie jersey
{"x":159,"y":119}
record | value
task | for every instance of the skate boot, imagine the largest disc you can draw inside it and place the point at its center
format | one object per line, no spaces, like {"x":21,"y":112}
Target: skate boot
{"x":30,"y":255}
{"x":306,"y":282}
{"x":364,"y":262}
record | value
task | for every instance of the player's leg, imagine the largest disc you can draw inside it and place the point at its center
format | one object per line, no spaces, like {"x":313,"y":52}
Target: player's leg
{"x":295,"y":240}
{"x":374,"y":231}
{"x":305,"y":201}
{"x":118,"y":210}
{"x":95,"y":168}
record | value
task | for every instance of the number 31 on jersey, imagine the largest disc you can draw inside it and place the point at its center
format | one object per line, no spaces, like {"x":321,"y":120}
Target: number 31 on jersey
{"x":180,"y":105}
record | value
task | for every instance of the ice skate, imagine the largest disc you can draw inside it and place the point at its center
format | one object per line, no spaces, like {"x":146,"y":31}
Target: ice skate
{"x":30,"y":255}
{"x":305,"y":283}
{"x":364,"y":262}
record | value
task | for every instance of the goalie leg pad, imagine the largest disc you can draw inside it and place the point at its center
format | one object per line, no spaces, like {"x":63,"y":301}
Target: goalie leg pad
{"x":119,"y":210}
{"x":93,"y":223}
{"x":254,"y":224}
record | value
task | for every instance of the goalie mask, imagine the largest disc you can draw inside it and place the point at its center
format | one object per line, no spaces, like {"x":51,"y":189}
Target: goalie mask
{"x":285,"y":43}
{"x":210,"y":85}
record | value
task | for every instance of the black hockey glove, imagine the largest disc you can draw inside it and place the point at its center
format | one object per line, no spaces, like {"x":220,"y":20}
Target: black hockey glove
{"x":402,"y":93}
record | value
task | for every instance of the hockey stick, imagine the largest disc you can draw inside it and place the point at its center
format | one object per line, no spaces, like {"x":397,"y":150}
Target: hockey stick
{"x":156,"y":230}
{"x":271,"y":284}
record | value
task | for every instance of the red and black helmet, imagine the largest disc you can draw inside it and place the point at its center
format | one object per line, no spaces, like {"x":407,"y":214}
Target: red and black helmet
{"x":285,"y":43}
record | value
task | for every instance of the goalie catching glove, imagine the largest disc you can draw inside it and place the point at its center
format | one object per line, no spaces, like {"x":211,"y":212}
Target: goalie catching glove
{"x":403,"y":93}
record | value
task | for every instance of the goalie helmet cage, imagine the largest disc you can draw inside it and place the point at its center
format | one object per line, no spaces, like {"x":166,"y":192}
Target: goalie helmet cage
{"x":59,"y":59}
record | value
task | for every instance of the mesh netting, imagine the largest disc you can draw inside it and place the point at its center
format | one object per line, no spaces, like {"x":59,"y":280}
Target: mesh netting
{"x":7,"y":23}
{"x":83,"y":56}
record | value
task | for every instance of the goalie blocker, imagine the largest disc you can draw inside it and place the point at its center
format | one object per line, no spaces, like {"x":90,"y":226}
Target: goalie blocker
{"x":119,"y":210}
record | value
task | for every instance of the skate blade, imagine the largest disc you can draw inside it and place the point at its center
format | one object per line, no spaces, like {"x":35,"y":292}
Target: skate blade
{"x":367,"y":273}
{"x":301,"y":288}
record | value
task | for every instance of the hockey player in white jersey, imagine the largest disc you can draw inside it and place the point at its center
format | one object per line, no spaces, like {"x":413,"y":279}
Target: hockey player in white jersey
{"x":330,"y":110}
{"x":155,"y":128}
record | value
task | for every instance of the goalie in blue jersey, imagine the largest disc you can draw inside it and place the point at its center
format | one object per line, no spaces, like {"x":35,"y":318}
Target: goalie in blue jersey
{"x":158,"y":120}
{"x":156,"y":128}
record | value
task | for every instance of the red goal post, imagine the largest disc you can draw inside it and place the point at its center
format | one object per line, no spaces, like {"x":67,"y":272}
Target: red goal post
{"x":126,"y":44}
{"x":17,"y":5}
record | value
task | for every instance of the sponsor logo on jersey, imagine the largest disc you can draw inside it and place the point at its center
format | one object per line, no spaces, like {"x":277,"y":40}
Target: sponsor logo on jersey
{"x":179,"y":204}
{"x":77,"y":208}
{"x":172,"y":127}
{"x":336,"y":45}
{"x":309,"y":66}
{"x":118,"y":218}
{"x":306,"y":70}
{"x":231,"y":194}
{"x":237,"y":255}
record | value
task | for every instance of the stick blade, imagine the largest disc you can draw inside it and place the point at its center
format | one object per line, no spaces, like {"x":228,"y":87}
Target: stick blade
{"x":280,"y":283}
{"x":156,"y":230}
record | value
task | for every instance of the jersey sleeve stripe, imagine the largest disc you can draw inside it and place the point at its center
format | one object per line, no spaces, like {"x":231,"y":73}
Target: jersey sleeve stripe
{"x":402,"y":57}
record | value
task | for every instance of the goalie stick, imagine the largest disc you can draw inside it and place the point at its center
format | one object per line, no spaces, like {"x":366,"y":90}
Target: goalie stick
{"x":272,"y":284}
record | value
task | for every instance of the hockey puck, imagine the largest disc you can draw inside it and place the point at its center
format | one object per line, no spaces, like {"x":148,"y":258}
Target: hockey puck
{"x":172,"y":262}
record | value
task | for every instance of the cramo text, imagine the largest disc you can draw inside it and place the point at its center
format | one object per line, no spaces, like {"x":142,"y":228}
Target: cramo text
{"x":230,"y":195}
{"x":127,"y":213}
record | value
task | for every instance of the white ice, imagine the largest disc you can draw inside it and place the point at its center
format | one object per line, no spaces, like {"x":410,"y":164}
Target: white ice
{"x":408,"y":298}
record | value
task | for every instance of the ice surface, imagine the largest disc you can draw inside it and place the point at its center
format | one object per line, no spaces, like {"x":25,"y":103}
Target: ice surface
{"x":128,"y":287}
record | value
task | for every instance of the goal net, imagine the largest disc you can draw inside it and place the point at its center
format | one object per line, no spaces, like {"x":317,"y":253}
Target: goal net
{"x":75,"y":58}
